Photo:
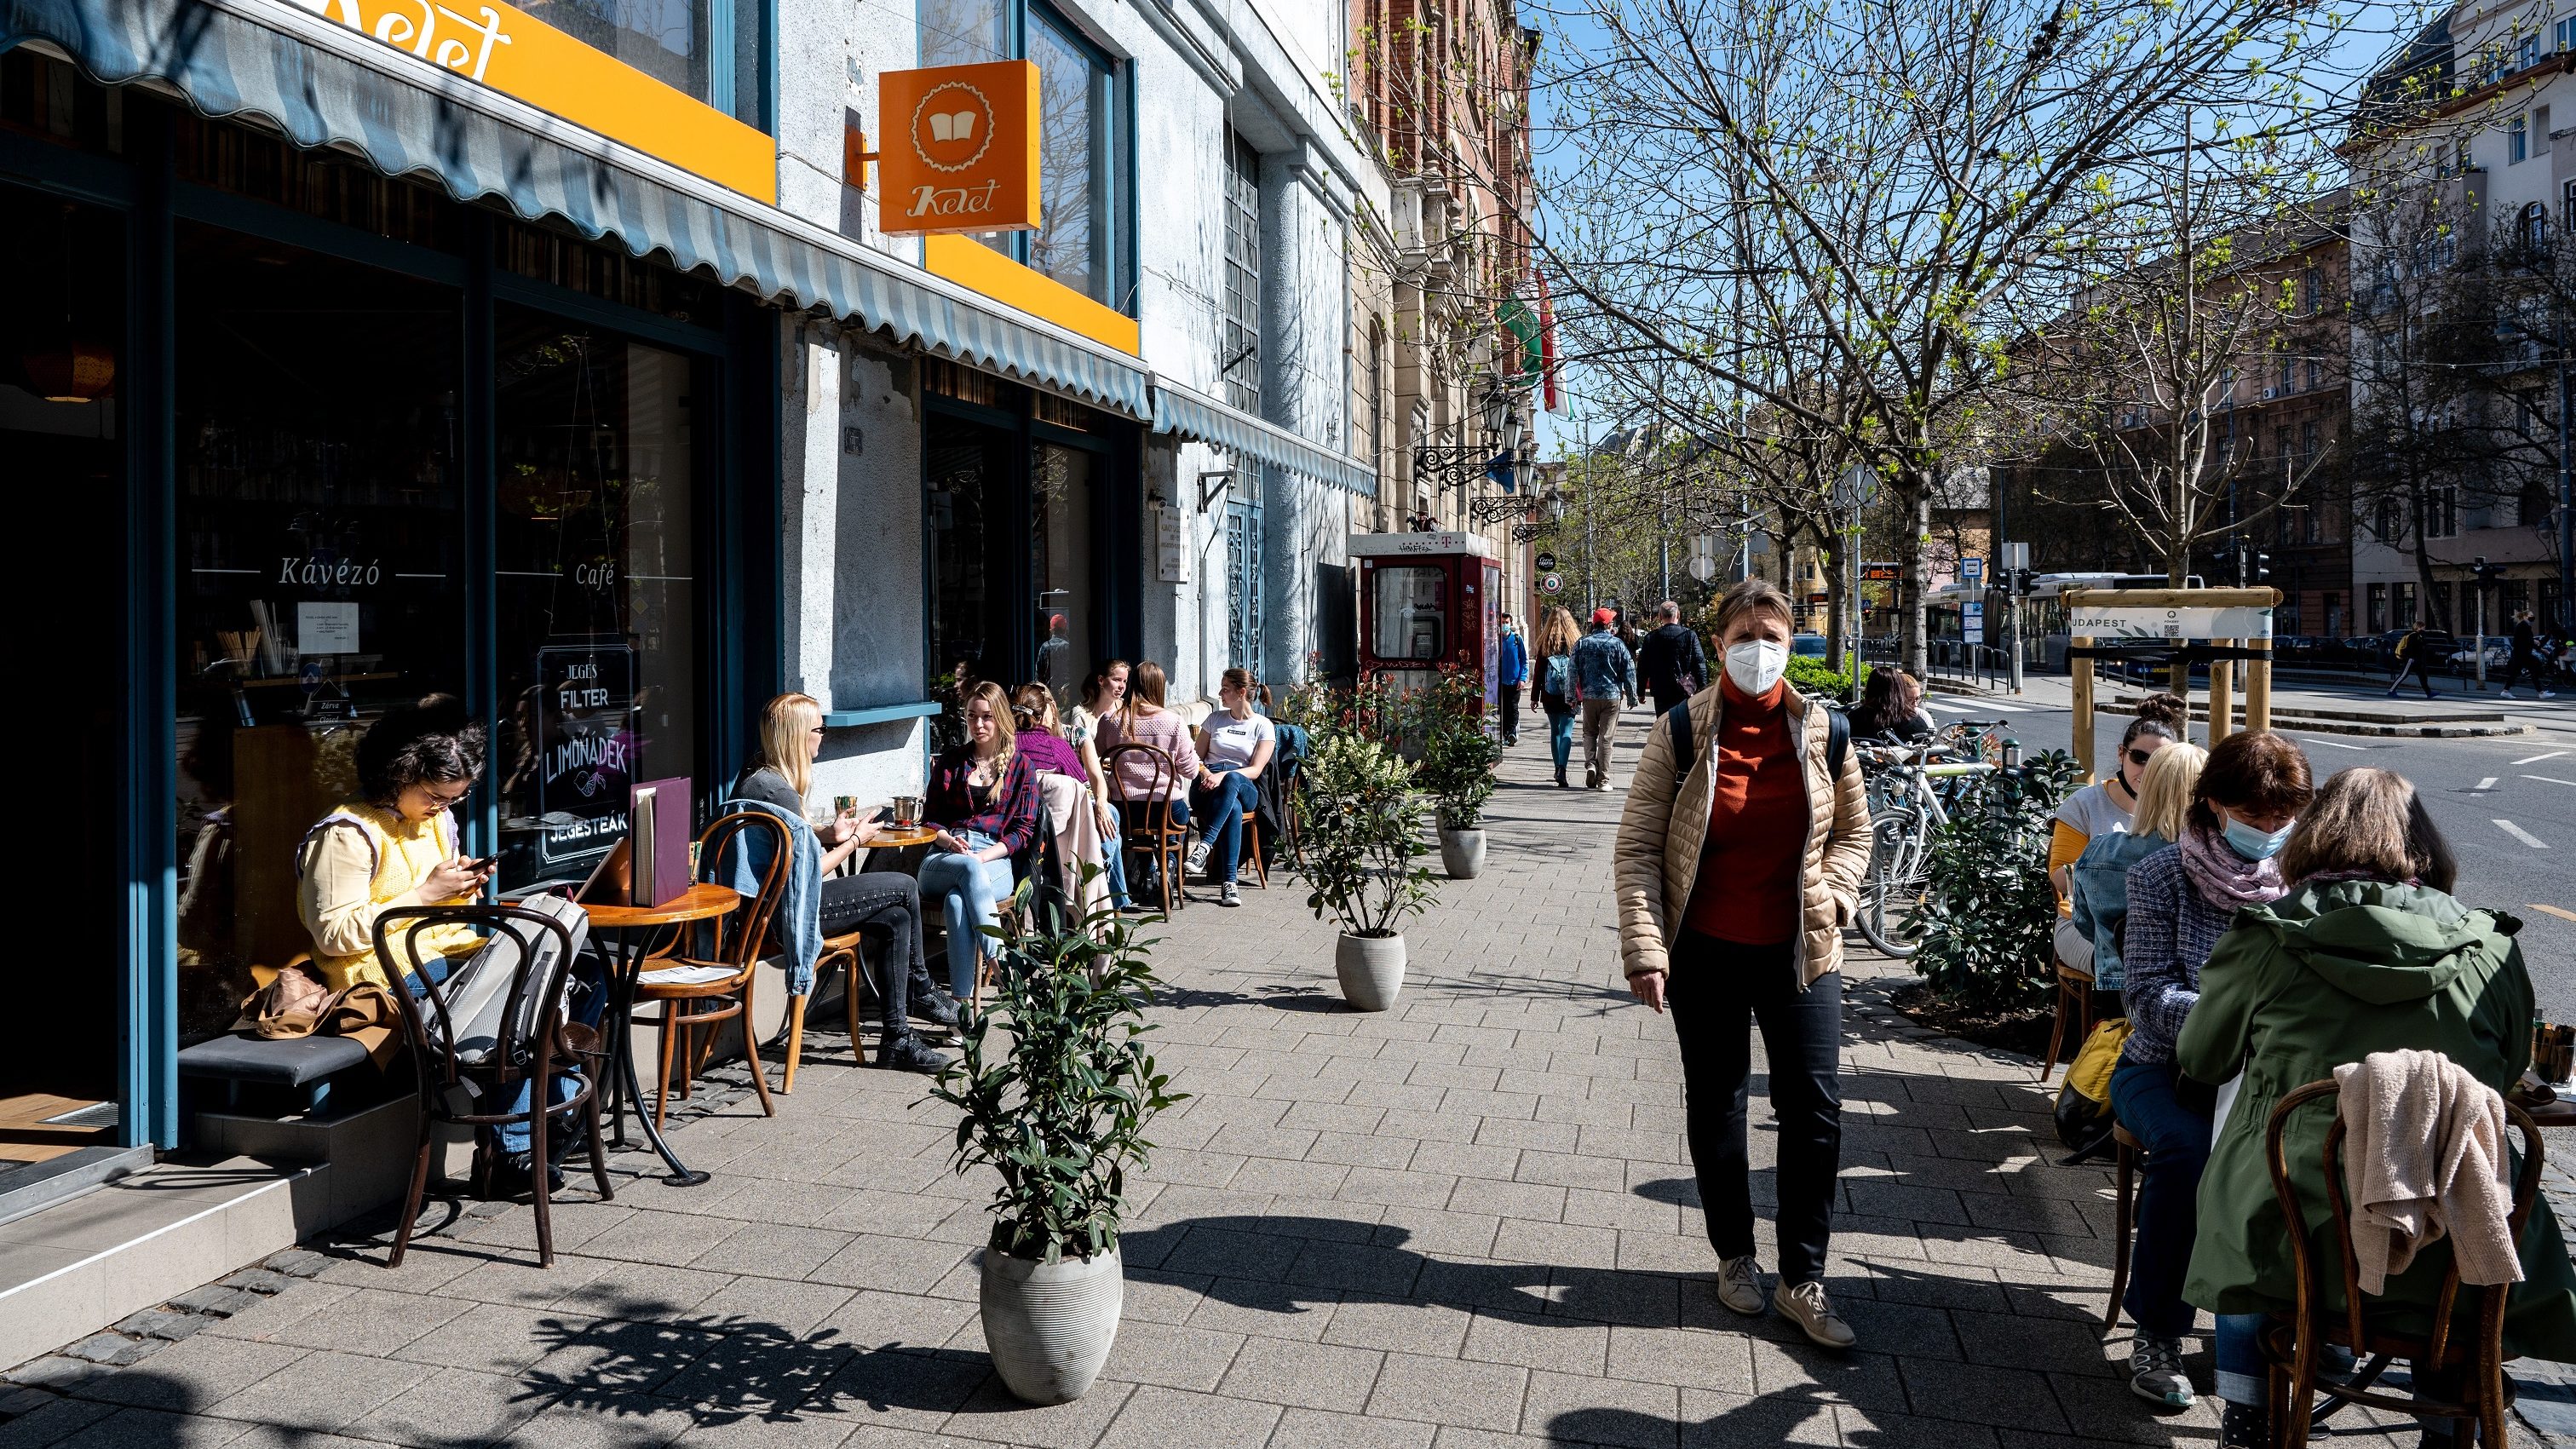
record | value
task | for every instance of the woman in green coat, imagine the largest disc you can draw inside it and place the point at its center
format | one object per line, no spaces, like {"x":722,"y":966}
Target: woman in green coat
{"x":2367,"y":953}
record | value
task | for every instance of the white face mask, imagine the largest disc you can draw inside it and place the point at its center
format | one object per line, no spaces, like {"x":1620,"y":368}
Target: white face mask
{"x":1757,"y":664}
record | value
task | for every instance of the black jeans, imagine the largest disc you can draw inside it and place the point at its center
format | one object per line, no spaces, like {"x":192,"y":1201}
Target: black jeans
{"x":1511,"y":703}
{"x":885,"y":903}
{"x":1712,"y":988}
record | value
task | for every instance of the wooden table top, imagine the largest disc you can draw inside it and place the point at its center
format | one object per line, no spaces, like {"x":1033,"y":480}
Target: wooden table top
{"x":896,"y":838}
{"x":701,"y":902}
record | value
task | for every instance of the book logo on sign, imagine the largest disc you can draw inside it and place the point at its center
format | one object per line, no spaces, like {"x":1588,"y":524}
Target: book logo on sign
{"x":950,"y":141}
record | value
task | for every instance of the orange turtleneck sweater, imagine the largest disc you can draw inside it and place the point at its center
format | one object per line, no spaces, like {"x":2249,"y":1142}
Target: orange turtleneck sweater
{"x":1757,"y":816}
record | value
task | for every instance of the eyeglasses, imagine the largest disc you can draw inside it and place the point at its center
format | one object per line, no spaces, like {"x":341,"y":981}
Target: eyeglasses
{"x":2140,"y":757}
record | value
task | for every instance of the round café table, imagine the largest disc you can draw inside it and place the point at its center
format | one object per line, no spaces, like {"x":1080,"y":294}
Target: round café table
{"x":625,"y":932}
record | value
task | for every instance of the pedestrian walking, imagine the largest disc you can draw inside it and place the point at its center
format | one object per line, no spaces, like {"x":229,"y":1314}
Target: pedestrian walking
{"x":2409,"y":655}
{"x":1671,"y":660}
{"x":1557,"y":638}
{"x":1738,"y":858}
{"x":1510,"y":674}
{"x":1605,"y":681}
{"x":2525,"y":658}
{"x":2180,"y":901}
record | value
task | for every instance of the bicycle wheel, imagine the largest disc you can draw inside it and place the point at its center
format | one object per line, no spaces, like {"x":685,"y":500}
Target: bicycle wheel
{"x":1895,"y":879}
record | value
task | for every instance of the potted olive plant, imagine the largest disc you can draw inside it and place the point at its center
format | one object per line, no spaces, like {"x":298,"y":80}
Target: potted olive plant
{"x":1360,"y":827}
{"x":1457,"y":770}
{"x":1056,"y":1088}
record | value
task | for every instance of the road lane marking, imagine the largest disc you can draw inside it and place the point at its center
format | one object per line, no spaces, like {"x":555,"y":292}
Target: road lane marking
{"x":2552,"y":779}
{"x":2558,"y":911}
{"x":2484,"y":785}
{"x":2536,"y":759}
{"x":2330,"y":744}
{"x":2525,"y":836}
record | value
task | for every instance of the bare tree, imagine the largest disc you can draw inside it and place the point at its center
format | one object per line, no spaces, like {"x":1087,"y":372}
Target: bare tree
{"x":1889,"y":182}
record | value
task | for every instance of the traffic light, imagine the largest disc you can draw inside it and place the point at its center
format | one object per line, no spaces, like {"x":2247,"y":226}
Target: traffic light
{"x":2262,"y":566}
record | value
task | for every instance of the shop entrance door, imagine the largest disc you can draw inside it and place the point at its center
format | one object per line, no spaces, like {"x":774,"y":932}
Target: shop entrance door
{"x":1243,"y":578}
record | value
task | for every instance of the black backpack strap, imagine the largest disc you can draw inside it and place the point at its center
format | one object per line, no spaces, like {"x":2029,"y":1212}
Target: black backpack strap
{"x":1837,"y":742}
{"x":1677,"y":726}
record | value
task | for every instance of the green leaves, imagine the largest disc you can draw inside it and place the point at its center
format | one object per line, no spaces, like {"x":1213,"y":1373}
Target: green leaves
{"x":1458,"y":751}
{"x":1055,"y":1086}
{"x":1360,"y":830}
{"x":1988,"y":911}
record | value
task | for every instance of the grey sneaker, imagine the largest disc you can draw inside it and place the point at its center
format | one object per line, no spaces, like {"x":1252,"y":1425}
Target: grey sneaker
{"x":1227,"y":895}
{"x":2155,"y":1372}
{"x":1198,"y":854}
{"x":1805,"y":1305}
{"x":1739,"y":1285}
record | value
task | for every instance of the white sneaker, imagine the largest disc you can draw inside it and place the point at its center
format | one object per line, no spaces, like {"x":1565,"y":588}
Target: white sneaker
{"x":2504,"y":694}
{"x":1227,"y":895}
{"x":1198,"y":855}
{"x":2549,"y":694}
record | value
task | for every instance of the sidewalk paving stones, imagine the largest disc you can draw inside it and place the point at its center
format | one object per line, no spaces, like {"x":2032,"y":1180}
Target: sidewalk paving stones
{"x":1466,"y":1223}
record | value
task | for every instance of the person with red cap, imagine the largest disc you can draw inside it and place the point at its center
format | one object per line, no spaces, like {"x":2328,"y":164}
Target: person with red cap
{"x":1605,"y":680}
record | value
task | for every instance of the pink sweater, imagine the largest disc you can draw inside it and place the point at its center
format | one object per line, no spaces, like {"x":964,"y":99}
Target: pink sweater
{"x":1133,"y":776}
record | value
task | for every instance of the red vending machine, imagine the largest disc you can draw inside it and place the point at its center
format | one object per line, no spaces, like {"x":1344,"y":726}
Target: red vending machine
{"x":1429,"y":599}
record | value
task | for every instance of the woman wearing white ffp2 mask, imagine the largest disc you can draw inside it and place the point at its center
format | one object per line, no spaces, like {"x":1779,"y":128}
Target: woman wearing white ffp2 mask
{"x":1737,"y":861}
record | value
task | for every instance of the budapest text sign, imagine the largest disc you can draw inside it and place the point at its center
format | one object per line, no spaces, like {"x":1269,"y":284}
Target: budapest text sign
{"x":2135,"y":621}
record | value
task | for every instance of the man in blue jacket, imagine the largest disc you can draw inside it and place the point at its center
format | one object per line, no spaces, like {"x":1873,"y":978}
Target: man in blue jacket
{"x":1513,"y":674}
{"x":1605,"y":678}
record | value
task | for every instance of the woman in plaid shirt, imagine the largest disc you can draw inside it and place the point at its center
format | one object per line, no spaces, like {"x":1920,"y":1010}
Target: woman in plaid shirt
{"x":983,"y":796}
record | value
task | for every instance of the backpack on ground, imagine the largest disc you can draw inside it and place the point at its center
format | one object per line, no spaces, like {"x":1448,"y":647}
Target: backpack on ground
{"x":2084,"y":1101}
{"x":1678,"y":726}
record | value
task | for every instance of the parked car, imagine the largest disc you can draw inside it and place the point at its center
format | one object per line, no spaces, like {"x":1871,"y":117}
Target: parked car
{"x":2465,"y":661}
{"x":1807,"y":646}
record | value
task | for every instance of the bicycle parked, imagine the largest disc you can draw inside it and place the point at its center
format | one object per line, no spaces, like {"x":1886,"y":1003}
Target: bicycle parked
{"x":1912,"y":791}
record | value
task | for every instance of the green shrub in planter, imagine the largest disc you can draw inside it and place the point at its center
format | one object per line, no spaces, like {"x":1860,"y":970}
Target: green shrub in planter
{"x":1056,"y":1087}
{"x":1814,"y":676}
{"x":1359,"y":830}
{"x":1988,"y":912}
{"x":1459,"y":752}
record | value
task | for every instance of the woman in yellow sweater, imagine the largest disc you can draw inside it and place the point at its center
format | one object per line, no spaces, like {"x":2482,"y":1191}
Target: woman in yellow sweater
{"x":394,"y":846}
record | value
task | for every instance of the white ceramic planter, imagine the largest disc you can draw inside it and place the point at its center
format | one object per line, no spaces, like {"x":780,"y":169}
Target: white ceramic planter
{"x":1463,"y":852}
{"x":1371,"y":969}
{"x":1049,"y":1326}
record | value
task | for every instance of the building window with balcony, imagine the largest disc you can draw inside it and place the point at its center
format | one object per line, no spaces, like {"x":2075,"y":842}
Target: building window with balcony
{"x":1085,"y":237}
{"x":1240,"y":363}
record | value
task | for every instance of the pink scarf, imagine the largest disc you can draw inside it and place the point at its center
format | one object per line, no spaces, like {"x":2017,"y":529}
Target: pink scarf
{"x":2224,"y":878}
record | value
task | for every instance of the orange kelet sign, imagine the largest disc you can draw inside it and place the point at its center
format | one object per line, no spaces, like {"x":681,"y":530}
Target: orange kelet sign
{"x":959,"y":148}
{"x":498,"y":45}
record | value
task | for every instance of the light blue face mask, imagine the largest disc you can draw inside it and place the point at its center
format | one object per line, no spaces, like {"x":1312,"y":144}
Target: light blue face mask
{"x":2254,"y":844}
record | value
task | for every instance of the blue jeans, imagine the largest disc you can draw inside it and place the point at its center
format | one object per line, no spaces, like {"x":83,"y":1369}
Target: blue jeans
{"x":585,"y":1001}
{"x":1223,"y":806}
{"x":2242,"y":1375}
{"x":2176,"y":1134}
{"x":1115,"y":862}
{"x":970,"y":893}
{"x":1134,"y":813}
{"x":1560,"y":737}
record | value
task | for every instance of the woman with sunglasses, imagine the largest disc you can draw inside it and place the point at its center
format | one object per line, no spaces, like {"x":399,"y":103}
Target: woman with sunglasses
{"x":2106,"y":805}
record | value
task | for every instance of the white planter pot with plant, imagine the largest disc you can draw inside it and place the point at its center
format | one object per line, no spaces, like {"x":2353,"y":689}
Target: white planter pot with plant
{"x":1056,"y":1088}
{"x":1360,"y":824}
{"x":1457,"y":769}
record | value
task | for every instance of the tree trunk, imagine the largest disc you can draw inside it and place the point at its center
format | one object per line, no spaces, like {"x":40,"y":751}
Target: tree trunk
{"x":1914,"y":494}
{"x":1835,"y":549}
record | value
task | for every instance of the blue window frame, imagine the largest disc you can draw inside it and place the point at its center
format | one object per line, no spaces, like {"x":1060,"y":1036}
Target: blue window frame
{"x":713,"y":50}
{"x":1086,"y":150}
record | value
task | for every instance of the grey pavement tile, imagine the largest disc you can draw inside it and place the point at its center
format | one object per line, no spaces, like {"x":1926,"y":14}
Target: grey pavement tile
{"x":878,"y":1320}
{"x":1355,"y":1267}
{"x":1979,"y":1394}
{"x":321,"y":1392}
{"x":991,"y":1414}
{"x":1466,"y":1159}
{"x":1304,"y":1179}
{"x":1603,"y":1411}
{"x":1398,"y":1324}
{"x":748,"y":1373}
{"x":1619,"y":1208}
{"x":2052,"y":1345}
{"x":1528,"y":1134}
{"x":452,"y":1406}
{"x":1442,"y":1390}
{"x":1507,"y":1199}
{"x":1153,"y":1296}
{"x":1434,"y":1126}
{"x":918,"y":1391}
{"x":189,"y":1377}
{"x":1172,"y":1357}
{"x":1382,"y":1151}
{"x":1265,"y":1309}
{"x":1321,"y":1376}
{"x":605,"y":1421}
{"x":494,"y":1338}
{"x":772,"y":1250}
{"x":1156,"y":1418}
{"x":1572,"y":1245}
{"x":1856,"y":1376}
{"x":370,"y":1321}
{"x":770,"y":1306}
{"x":1405,"y":1189}
{"x":1730,"y":1421}
{"x":52,"y":1422}
{"x":155,"y":1429}
{"x":1319,"y":1429}
{"x":1538,"y":1341}
{"x":896,"y":1264}
{"x":1437,"y":1232}
{"x":1686,"y":1357}
{"x":772,"y":1431}
{"x":1238,"y":1249}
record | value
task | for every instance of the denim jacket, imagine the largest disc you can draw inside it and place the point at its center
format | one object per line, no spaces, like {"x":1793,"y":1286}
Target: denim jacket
{"x":1603,"y":667}
{"x":2099,"y":888}
{"x":797,"y":928}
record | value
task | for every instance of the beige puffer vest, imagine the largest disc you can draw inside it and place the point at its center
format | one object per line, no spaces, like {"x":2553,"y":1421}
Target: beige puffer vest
{"x":1660,"y":832}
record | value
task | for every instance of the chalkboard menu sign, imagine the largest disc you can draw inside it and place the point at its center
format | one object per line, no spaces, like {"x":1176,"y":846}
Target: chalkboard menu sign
{"x":585,"y":729}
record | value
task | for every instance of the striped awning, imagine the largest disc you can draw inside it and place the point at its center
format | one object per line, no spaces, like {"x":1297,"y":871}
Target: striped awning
{"x":325,"y":85}
{"x":1180,"y":411}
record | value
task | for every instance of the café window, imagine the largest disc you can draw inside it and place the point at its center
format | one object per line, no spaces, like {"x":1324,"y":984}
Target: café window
{"x":595,"y":557}
{"x":1410,"y":612}
{"x":321,"y":532}
{"x":711,"y":50}
{"x":1084,"y":167}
